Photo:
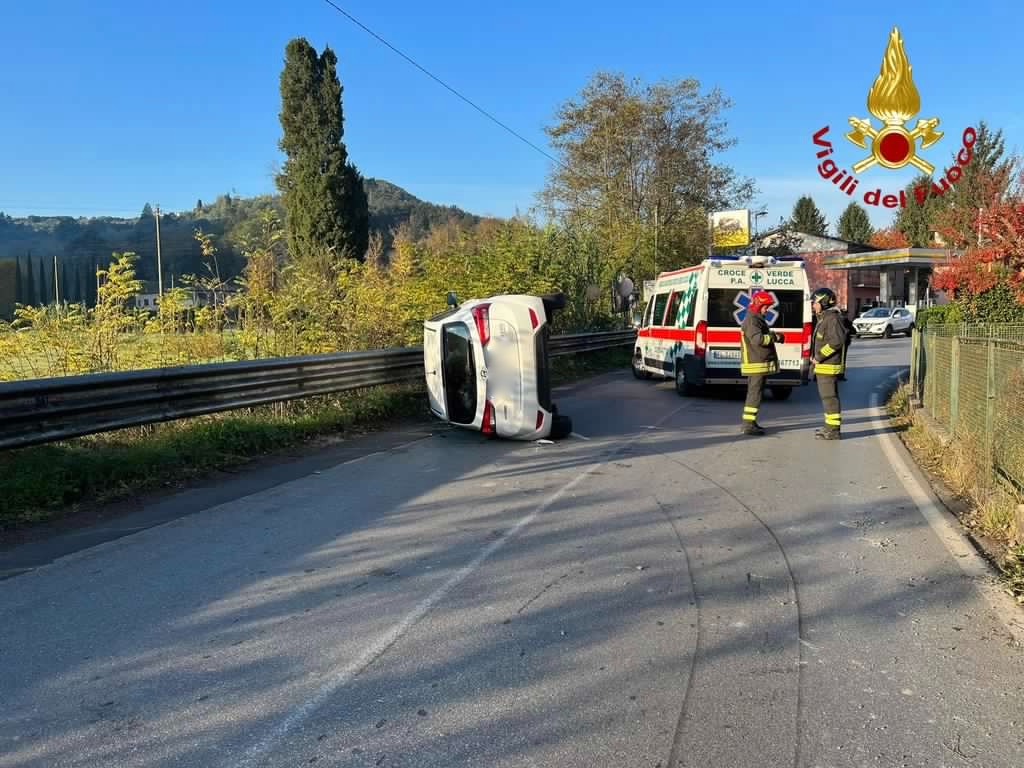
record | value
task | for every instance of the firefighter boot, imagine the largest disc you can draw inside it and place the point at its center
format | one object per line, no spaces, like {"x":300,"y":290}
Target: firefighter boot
{"x":752,"y":428}
{"x":827,"y":433}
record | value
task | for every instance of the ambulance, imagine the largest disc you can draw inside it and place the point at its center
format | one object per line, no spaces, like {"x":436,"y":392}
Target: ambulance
{"x":690,"y":329}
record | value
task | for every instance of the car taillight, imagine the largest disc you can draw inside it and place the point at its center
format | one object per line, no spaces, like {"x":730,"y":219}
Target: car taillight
{"x":540,"y":419}
{"x":805,"y":351}
{"x":488,"y":426}
{"x":482,"y":317}
{"x":533,"y":319}
{"x":700,"y":342}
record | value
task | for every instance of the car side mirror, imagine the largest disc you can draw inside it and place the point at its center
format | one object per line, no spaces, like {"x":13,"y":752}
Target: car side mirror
{"x":452,"y":300}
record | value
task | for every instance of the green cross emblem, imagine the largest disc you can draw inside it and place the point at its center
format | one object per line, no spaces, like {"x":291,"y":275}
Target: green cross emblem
{"x":756,"y":277}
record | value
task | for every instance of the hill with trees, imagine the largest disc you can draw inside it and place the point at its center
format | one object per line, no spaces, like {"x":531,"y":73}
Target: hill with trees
{"x":81,"y":244}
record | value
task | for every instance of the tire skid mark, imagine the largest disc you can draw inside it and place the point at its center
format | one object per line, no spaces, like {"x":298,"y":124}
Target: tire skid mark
{"x":698,"y":642}
{"x":677,"y":737}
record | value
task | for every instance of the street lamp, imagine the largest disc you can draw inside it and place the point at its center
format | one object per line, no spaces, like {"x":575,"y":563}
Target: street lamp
{"x":758,"y":215}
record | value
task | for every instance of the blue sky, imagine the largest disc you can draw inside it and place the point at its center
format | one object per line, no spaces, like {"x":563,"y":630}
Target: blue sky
{"x":108,"y":105}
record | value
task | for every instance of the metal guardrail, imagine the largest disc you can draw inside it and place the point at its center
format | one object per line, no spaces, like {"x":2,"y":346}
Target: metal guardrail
{"x":46,"y":410}
{"x":570,"y":344}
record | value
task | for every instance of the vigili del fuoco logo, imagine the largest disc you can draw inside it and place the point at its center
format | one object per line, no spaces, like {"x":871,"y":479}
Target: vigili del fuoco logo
{"x":894,"y":100}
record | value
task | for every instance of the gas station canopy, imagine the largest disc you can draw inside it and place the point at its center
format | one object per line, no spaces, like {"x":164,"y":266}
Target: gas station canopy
{"x":900,"y":270}
{"x":893,"y":258}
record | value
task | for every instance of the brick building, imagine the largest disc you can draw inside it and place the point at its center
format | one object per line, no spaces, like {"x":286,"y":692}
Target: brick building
{"x":854,"y":288}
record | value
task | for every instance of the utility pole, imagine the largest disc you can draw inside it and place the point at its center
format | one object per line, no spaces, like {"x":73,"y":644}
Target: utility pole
{"x":159,"y":266}
{"x":56,"y":283}
{"x":657,"y":207}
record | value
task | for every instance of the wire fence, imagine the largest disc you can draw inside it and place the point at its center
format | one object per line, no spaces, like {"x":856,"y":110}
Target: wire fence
{"x":970,"y":379}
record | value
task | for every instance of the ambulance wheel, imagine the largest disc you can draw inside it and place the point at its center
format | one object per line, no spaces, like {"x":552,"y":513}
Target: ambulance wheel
{"x":561,"y":427}
{"x":782,"y":393}
{"x":683,"y":387}
{"x":639,"y":372}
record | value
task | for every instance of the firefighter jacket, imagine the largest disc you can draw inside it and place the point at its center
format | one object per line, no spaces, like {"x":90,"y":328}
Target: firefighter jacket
{"x":830,"y":344}
{"x":758,"y":347}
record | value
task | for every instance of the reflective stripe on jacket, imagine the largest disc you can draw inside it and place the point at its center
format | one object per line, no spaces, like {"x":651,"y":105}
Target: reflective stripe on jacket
{"x":830,"y":344}
{"x":758,"y":347}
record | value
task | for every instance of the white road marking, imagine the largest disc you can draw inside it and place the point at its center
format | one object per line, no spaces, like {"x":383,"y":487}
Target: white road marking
{"x":945,"y":528}
{"x":376,"y":649}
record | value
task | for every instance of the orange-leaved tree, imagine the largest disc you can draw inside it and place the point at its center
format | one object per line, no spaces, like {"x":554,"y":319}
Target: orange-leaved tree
{"x":889,"y":237}
{"x":999,"y":258}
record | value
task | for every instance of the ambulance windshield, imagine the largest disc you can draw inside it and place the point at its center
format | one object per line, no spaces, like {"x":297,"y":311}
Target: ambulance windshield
{"x":727,"y":307}
{"x":459,"y":373}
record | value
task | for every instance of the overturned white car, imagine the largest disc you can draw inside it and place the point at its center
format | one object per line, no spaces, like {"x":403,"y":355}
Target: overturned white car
{"x":487,"y":368}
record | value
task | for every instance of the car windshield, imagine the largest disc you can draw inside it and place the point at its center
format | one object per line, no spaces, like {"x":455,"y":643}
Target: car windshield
{"x":459,"y":373}
{"x":877,"y":312}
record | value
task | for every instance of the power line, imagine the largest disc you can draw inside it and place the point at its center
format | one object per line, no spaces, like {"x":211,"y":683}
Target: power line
{"x":434,"y":77}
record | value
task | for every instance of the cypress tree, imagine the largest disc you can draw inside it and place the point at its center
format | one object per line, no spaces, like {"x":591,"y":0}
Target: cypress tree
{"x":323,"y":193}
{"x":90,"y":284}
{"x":44,"y":294}
{"x":82,"y":293}
{"x":31,"y":295}
{"x":65,"y":296}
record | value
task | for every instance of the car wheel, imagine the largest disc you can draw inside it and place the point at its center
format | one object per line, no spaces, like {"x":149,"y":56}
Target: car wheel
{"x":683,"y":387}
{"x":639,"y":372}
{"x":910,"y":330}
{"x":888,"y":332}
{"x":561,"y":427}
{"x":782,"y":393}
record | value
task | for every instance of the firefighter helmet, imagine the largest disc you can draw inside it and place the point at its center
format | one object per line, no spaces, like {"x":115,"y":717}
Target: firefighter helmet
{"x":824,"y":296}
{"x":761,"y":299}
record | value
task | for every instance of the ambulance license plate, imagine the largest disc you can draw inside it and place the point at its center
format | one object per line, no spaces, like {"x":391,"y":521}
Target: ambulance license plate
{"x":723,"y":358}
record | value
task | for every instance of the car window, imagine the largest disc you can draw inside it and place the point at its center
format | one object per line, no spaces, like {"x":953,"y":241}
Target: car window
{"x":877,"y":312}
{"x":459,"y":371}
{"x":692,"y":307}
{"x":647,"y":312}
{"x":673,"y":308}
{"x":659,"y":308}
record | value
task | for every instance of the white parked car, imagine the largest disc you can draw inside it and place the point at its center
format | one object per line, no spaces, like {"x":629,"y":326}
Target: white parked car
{"x":884,"y":321}
{"x":487,"y":367}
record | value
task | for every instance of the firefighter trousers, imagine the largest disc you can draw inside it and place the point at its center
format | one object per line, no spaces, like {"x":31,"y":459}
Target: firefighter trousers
{"x":755,"y":393}
{"x":828,"y":389}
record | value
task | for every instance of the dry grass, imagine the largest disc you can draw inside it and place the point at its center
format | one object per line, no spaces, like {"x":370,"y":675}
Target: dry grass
{"x":47,"y":481}
{"x":964,"y":467}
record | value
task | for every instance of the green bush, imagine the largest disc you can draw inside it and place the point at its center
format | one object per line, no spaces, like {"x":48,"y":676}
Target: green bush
{"x":943,"y":314}
{"x":996,"y":305}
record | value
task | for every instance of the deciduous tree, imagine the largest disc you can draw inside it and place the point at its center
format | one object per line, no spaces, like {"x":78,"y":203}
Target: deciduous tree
{"x":889,"y":237}
{"x":639,"y":167}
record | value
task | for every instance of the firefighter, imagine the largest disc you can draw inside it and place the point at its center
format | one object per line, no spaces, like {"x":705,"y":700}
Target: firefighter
{"x":848,"y":325}
{"x":829,"y":359}
{"x":760,"y":359}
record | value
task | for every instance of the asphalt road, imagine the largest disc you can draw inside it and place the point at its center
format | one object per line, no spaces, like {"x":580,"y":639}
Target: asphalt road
{"x":656,"y":592}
